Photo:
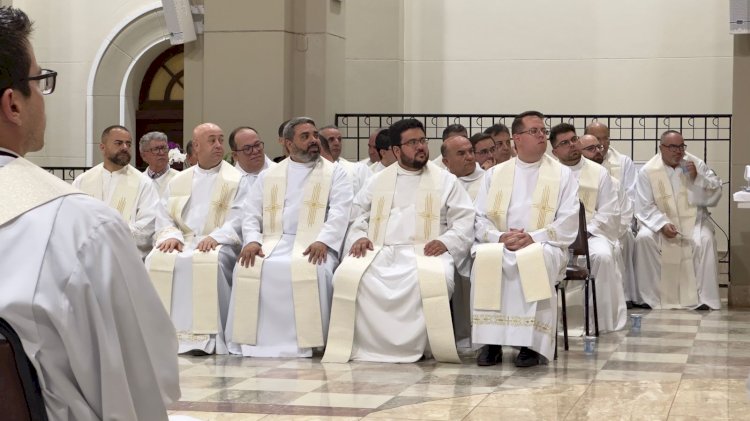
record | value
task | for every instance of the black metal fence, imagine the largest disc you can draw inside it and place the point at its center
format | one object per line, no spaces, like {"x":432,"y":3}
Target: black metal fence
{"x":66,"y":173}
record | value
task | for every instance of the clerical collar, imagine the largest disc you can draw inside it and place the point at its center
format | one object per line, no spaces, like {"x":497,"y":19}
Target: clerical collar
{"x":478,"y":171}
{"x":404,"y":171}
{"x":577,"y":166}
{"x":8,"y":152}
{"x":522,"y":164}
{"x":154,"y":175}
{"x":303,"y":164}
{"x":122,"y":170}
{"x":212,"y":170}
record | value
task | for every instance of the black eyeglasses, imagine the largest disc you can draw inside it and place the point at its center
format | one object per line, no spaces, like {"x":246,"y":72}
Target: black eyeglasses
{"x":593,"y":148}
{"x":248,"y":150}
{"x":568,"y":142}
{"x":675,"y":148}
{"x":47,"y":80}
{"x":535,"y":131}
{"x":159,"y":150}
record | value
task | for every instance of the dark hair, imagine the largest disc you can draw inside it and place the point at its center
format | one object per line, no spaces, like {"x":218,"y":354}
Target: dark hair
{"x":558,"y":130}
{"x":189,"y":148}
{"x":478,"y":137}
{"x":394,"y":132}
{"x":15,"y":60}
{"x":232,"y":143}
{"x":517,"y":125}
{"x":281,"y":128}
{"x":113,"y":127}
{"x":496,"y":129}
{"x":454,"y":129}
{"x":382,"y":140}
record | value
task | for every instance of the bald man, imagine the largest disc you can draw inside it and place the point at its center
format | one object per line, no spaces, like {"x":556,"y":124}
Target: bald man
{"x":189,"y":269}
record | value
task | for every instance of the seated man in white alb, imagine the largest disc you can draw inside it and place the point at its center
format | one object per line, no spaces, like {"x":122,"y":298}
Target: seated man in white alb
{"x":189,"y":272}
{"x":448,"y":132}
{"x":503,"y":146}
{"x":73,"y":285}
{"x":330,"y":143}
{"x":123,"y":187}
{"x":675,"y":249}
{"x":411,"y":223}
{"x":383,"y":146}
{"x":600,"y":199}
{"x":458,"y":157}
{"x":294,"y":220}
{"x":248,"y":151}
{"x":154,"y":149}
{"x":622,"y":169}
{"x":527,"y":216}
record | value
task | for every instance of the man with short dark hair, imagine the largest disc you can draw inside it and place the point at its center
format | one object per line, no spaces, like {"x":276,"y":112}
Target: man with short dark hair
{"x":331,"y":143}
{"x":123,"y":187}
{"x":527,"y":216}
{"x":411,"y":222}
{"x":675,"y":246}
{"x":484,"y":150}
{"x":600,"y":201}
{"x":73,"y":285}
{"x":385,"y":152}
{"x":154,"y":149}
{"x":248,"y":151}
{"x":503,"y":147}
{"x":450,"y":131}
{"x":191,"y":159}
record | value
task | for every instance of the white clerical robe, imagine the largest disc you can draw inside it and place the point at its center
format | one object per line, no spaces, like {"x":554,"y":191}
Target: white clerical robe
{"x":604,"y":227}
{"x":161,"y":182}
{"x":142,"y":219}
{"x":74,"y":289}
{"x":519,"y":323}
{"x":703,"y":192}
{"x":267,"y":163}
{"x":276,"y":330}
{"x":195,"y":214}
{"x":389,"y":321}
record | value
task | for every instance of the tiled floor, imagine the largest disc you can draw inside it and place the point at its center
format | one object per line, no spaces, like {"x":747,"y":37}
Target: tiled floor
{"x":682,"y":365}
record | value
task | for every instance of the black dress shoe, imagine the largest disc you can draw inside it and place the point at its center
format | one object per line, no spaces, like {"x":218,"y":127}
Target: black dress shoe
{"x":527,"y":358}
{"x":490,"y":355}
{"x":629,"y":304}
{"x":642,"y":305}
{"x":703,"y":307}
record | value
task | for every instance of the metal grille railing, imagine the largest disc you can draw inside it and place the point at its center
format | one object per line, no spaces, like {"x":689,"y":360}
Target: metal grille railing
{"x":66,"y":173}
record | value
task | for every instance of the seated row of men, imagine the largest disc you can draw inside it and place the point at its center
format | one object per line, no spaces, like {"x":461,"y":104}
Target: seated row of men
{"x":364,"y":258}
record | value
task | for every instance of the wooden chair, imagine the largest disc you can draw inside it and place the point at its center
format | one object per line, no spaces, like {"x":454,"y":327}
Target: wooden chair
{"x":20,"y":395}
{"x":580,"y":247}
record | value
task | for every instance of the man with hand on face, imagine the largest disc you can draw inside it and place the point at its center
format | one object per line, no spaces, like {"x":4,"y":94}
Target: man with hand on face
{"x":295,"y":217}
{"x":675,"y":248}
{"x":189,"y":269}
{"x":411,"y":222}
{"x":600,"y":200}
{"x":527,"y":216}
{"x":484,"y":150}
{"x":123,"y":187}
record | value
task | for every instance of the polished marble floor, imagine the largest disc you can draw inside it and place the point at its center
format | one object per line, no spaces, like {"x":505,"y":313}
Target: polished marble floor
{"x":682,"y":365}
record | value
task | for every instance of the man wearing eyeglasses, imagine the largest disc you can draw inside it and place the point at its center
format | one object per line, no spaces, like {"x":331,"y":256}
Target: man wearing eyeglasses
{"x":622,"y":169}
{"x":527,"y":216}
{"x":154,"y":148}
{"x":484,"y":150}
{"x":600,"y":199}
{"x":73,"y":288}
{"x":411,"y":223}
{"x":503,"y":146}
{"x":675,"y":249}
{"x":248,"y":151}
{"x":331,"y":142}
{"x":123,"y":187}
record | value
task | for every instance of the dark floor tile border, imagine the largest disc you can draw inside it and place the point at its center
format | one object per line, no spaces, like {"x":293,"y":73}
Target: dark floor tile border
{"x":258,"y":408}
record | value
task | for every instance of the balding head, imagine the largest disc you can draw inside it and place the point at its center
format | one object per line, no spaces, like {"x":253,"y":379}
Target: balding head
{"x":458,"y":155}
{"x":208,"y":145}
{"x":591,"y":148}
{"x":601,"y":132}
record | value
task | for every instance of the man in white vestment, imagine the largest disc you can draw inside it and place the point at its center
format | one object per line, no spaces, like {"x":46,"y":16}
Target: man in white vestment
{"x":190,"y":158}
{"x":675,"y":249}
{"x":411,"y":222}
{"x":73,"y":285}
{"x":154,"y":149}
{"x":189,"y":269}
{"x":123,"y":187}
{"x":484,"y":150}
{"x":600,"y":199}
{"x":385,"y":152}
{"x":248,"y":151}
{"x":622,"y":169}
{"x":458,"y":157}
{"x":527,"y":217}
{"x":294,"y":221}
{"x":448,"y":132}
{"x":503,"y":146}
{"x":330,"y":142}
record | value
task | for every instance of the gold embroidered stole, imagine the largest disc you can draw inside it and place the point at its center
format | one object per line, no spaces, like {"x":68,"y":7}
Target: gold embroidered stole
{"x":205,"y":265}
{"x":613,"y":164}
{"x":588,"y":187}
{"x":432,"y":284}
{"x":24,"y":186}
{"x":307,"y":313}
{"x":677,"y":285}
{"x":124,"y":197}
{"x":488,"y":262}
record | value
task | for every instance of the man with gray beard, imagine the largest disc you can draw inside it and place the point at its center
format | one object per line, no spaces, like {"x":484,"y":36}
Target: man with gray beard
{"x":122,"y":187}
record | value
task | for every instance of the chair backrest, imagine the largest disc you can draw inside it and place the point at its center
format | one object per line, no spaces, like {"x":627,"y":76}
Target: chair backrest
{"x":580,"y":247}
{"x":20,"y":394}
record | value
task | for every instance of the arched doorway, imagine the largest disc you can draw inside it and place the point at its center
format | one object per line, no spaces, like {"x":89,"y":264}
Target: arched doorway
{"x":160,"y":99}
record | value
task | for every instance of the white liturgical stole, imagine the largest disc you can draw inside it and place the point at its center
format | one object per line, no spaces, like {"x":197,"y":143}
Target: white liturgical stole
{"x":307,"y":313}
{"x":588,"y":187}
{"x":205,"y":265}
{"x":613,"y":164}
{"x":488,"y":262}
{"x":678,"y":286}
{"x":126,"y":192}
{"x":432,"y":284}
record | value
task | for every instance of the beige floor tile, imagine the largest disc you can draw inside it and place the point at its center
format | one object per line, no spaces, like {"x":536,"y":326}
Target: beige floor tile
{"x":219,"y":416}
{"x":307,"y":418}
{"x":649,"y":357}
{"x":483,"y":413}
{"x":637,"y":340}
{"x":721,"y":337}
{"x":222,"y":371}
{"x":281,"y":385}
{"x":617,"y":375}
{"x":425,"y":411}
{"x":444,"y":391}
{"x":190,"y":394}
{"x":343,"y":400}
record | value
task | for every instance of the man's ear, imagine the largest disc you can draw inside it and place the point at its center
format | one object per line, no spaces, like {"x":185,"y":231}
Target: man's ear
{"x":10,"y":107}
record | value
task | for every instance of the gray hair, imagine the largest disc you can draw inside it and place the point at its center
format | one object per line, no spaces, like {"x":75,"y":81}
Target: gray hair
{"x":296,"y":121}
{"x":147,"y":138}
